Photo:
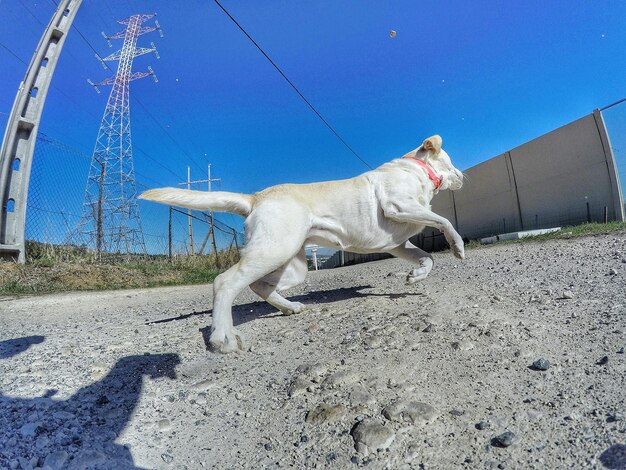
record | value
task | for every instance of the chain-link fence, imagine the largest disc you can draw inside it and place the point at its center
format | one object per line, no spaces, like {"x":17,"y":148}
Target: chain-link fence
{"x":57,"y":193}
{"x":55,"y":207}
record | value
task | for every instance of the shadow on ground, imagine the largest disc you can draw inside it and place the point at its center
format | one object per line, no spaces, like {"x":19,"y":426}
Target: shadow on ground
{"x":614,"y":457}
{"x":79,"y":432}
{"x":247,"y":312}
{"x":11,"y":347}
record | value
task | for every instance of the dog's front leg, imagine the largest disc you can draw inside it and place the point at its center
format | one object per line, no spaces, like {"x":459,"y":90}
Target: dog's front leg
{"x":415,"y":255}
{"x":411,"y":212}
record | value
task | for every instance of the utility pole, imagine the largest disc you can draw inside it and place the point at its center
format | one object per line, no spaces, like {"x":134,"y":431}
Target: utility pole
{"x":211,"y":232}
{"x":192,"y":250}
{"x":212,"y":228}
{"x":110,"y":218}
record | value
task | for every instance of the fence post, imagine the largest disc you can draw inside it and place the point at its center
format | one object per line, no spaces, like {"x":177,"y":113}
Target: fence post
{"x":606,"y":215}
{"x":588,"y":212}
{"x":212,"y":232}
{"x":235,"y":240}
{"x":169,"y":237}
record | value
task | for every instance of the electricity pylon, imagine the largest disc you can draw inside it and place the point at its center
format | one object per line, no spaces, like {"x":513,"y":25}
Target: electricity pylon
{"x":110,"y":219}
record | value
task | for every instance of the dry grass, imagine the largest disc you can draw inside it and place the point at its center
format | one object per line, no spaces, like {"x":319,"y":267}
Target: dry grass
{"x":58,"y":268}
{"x":582,"y":230}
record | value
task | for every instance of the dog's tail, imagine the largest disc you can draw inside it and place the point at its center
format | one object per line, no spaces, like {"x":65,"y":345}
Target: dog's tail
{"x":220,"y":201}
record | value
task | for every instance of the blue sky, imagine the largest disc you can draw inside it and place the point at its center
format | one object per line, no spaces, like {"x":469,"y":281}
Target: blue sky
{"x":486,"y":75}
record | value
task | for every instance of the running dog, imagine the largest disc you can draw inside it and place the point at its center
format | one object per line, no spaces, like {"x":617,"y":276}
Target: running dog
{"x":375,"y":212}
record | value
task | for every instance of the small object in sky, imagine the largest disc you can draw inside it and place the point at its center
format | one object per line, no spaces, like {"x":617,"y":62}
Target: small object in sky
{"x":392,"y":34}
{"x":177,"y":79}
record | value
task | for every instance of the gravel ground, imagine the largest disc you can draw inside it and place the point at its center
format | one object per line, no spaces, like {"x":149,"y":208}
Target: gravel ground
{"x":513,"y":358}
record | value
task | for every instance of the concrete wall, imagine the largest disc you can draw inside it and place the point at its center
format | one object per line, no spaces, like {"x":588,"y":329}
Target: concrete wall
{"x":350,"y":258}
{"x":565,"y":177}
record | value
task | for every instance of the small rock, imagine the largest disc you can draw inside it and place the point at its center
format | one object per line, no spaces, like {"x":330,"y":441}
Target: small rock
{"x":369,"y":436}
{"x":29,"y":430}
{"x":540,"y":364}
{"x":324,"y":412}
{"x":167,"y":458}
{"x":410,"y":411}
{"x":620,"y":350}
{"x":603,"y":361}
{"x":88,"y":459}
{"x":463,"y":345}
{"x":567,"y":294}
{"x":361,"y":396}
{"x":343,"y":377}
{"x":612,"y":272}
{"x":268,"y":446}
{"x":482,"y":425}
{"x":203,"y":385}
{"x":374,"y":342}
{"x":456,"y":412}
{"x":56,"y":460}
{"x":164,"y":425}
{"x":614,"y":417}
{"x":503,"y":440}
{"x":314,"y":371}
{"x":63,"y":415}
{"x":298,"y":387}
{"x":498,"y":298}
{"x":102,"y":400}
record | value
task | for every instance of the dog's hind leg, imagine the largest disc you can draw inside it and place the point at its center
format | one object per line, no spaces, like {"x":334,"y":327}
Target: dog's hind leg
{"x":416,"y":255}
{"x":287,"y":276}
{"x":276,"y":236}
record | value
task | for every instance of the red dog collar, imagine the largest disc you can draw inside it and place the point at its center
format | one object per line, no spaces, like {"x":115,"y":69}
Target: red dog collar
{"x":431,"y":173}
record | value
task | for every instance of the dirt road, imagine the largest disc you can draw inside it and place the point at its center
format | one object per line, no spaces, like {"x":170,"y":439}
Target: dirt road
{"x":437,"y":374}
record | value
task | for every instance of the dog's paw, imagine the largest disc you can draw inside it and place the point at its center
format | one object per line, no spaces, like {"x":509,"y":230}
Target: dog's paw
{"x":459,"y":250}
{"x":294,"y":308}
{"x":417,"y":275}
{"x":226,"y":341}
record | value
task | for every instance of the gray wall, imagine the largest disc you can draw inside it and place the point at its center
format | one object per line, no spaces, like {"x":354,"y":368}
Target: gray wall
{"x":565,"y":177}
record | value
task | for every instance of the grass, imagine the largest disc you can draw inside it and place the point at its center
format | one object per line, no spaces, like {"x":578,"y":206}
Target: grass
{"x":60,"y":268}
{"x":582,"y":230}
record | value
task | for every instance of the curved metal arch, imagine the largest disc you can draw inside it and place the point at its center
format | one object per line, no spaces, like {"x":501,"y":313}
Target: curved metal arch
{"x":18,"y":144}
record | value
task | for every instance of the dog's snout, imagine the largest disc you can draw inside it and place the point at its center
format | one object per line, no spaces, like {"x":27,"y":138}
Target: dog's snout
{"x":459,"y":180}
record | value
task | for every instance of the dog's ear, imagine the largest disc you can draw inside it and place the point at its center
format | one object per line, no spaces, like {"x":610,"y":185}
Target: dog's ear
{"x":433,"y":143}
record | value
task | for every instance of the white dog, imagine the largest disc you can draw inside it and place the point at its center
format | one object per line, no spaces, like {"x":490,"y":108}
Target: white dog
{"x":375,"y":212}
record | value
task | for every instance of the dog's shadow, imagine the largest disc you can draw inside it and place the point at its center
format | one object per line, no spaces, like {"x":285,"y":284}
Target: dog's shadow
{"x":244,"y":313}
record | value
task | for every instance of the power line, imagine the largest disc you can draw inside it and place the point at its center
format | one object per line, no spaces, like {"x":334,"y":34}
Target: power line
{"x":292,"y":85}
{"x":31,"y":13}
{"x":13,"y":54}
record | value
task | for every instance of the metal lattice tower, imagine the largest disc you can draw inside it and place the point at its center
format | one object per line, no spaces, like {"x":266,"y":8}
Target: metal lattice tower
{"x":110,"y":220}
